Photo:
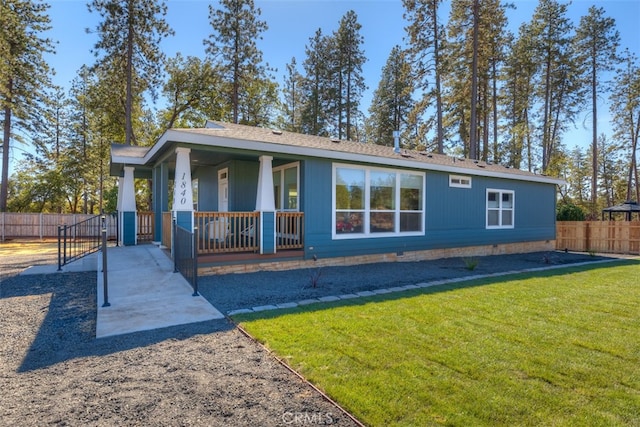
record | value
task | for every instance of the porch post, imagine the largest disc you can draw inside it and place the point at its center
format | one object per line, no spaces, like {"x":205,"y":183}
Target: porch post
{"x":129,"y":219}
{"x":266,"y":205}
{"x":182,"y":191}
{"x":120,"y":185}
{"x":160,"y":184}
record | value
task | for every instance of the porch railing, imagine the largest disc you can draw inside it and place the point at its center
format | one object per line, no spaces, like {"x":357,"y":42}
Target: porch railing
{"x":166,"y":229}
{"x":226,"y":232}
{"x":231,"y":232}
{"x":289,"y":230}
{"x":145,"y":226}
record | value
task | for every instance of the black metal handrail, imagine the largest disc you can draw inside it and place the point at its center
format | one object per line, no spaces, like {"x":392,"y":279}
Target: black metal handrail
{"x":78,"y":240}
{"x":185,"y":255}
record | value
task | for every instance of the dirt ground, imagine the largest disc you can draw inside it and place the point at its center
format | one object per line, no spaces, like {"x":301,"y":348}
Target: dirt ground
{"x":54,"y":372}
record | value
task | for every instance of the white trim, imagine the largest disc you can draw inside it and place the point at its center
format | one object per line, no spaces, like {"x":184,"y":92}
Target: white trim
{"x":500,"y":209}
{"x":366,"y":211}
{"x":460,"y":183}
{"x":282,"y":168}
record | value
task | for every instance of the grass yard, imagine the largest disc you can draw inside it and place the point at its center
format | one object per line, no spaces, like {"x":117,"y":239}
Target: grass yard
{"x":559,"y":348}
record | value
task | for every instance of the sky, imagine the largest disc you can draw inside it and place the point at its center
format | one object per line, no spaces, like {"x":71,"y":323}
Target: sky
{"x":292,"y":23}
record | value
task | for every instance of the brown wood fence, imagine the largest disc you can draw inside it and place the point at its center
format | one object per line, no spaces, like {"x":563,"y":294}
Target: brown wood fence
{"x":621,"y":237}
{"x":42,"y":225}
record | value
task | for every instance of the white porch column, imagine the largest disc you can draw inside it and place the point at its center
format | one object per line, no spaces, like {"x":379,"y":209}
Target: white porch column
{"x":120,"y":184}
{"x":182,"y":192}
{"x":266,"y":205}
{"x":127,"y":201}
{"x":264,"y":199}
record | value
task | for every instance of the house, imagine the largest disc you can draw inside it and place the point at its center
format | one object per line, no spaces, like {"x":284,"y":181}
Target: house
{"x":287,"y":200}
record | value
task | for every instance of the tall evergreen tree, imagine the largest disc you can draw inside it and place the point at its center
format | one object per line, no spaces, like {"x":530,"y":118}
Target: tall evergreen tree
{"x":128,"y":51}
{"x":625,"y":109}
{"x":349,"y":59}
{"x":517,"y":95}
{"x":596,"y":42}
{"x":317,"y":87}
{"x":557,"y":94}
{"x":24,"y":75}
{"x":392,"y":102}
{"x":236,"y":29}
{"x":426,"y":38}
{"x":293,"y":98}
{"x":474,"y":34}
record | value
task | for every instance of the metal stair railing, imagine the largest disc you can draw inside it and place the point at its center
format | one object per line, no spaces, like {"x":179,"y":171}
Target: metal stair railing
{"x":78,"y":240}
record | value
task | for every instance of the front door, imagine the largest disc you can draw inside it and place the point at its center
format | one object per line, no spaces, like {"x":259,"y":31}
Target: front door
{"x":223,"y":190}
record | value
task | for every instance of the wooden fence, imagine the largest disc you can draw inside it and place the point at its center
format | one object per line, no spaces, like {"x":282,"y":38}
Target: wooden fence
{"x":43,"y":225}
{"x":621,"y":237}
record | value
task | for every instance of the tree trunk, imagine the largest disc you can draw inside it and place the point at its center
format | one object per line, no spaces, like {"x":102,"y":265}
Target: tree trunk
{"x":129,"y":71}
{"x":4,"y":190}
{"x":473,"y":125}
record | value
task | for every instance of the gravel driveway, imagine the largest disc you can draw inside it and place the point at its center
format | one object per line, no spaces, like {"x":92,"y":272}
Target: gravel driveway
{"x":54,"y":372}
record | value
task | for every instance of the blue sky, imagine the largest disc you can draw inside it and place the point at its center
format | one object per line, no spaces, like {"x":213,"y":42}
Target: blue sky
{"x":293,"y":22}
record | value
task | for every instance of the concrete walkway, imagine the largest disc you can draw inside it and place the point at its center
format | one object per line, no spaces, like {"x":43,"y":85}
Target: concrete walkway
{"x":145,"y":293}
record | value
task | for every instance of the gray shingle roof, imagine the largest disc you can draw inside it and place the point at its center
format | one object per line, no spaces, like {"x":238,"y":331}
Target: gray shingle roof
{"x":329,"y":146}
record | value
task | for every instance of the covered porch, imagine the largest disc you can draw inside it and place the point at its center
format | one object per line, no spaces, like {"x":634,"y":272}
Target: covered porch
{"x":240,"y":205}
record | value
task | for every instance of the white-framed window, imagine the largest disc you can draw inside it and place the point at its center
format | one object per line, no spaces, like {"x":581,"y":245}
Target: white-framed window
{"x":285,"y":186}
{"x":459,"y":181}
{"x":500,"y":208}
{"x":377,"y":202}
{"x":194,"y":189}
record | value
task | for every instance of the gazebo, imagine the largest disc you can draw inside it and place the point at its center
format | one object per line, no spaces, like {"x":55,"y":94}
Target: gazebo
{"x":628,"y":208}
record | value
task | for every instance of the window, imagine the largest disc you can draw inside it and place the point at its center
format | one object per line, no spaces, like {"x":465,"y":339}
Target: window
{"x":500,"y":206}
{"x":459,"y":181}
{"x":194,"y":190}
{"x":285,"y":187}
{"x":377,"y":202}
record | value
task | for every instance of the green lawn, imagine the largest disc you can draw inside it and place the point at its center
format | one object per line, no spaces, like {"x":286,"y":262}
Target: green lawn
{"x":558,"y":348}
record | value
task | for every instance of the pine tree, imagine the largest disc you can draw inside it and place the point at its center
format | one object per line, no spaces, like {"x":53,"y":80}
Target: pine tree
{"x":236,"y":29}
{"x":625,"y":109}
{"x":517,"y":94}
{"x":294,"y":100}
{"x":349,"y":59}
{"x":596,"y":42}
{"x":392,"y":102}
{"x":558,"y":90}
{"x":474,"y":36}
{"x":426,"y":37}
{"x":128,"y":52}
{"x":317,"y":85}
{"x":24,"y":75}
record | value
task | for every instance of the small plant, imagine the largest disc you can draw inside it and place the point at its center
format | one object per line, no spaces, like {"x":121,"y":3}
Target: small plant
{"x":470,"y":263}
{"x":592,"y":252}
{"x":315,"y":277}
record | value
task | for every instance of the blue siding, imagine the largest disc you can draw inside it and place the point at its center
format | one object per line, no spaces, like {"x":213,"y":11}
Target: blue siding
{"x":268,"y":232}
{"x":184,"y":219}
{"x":243,"y":185}
{"x":128,"y":228}
{"x":454,"y":217}
{"x":207,"y":188}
